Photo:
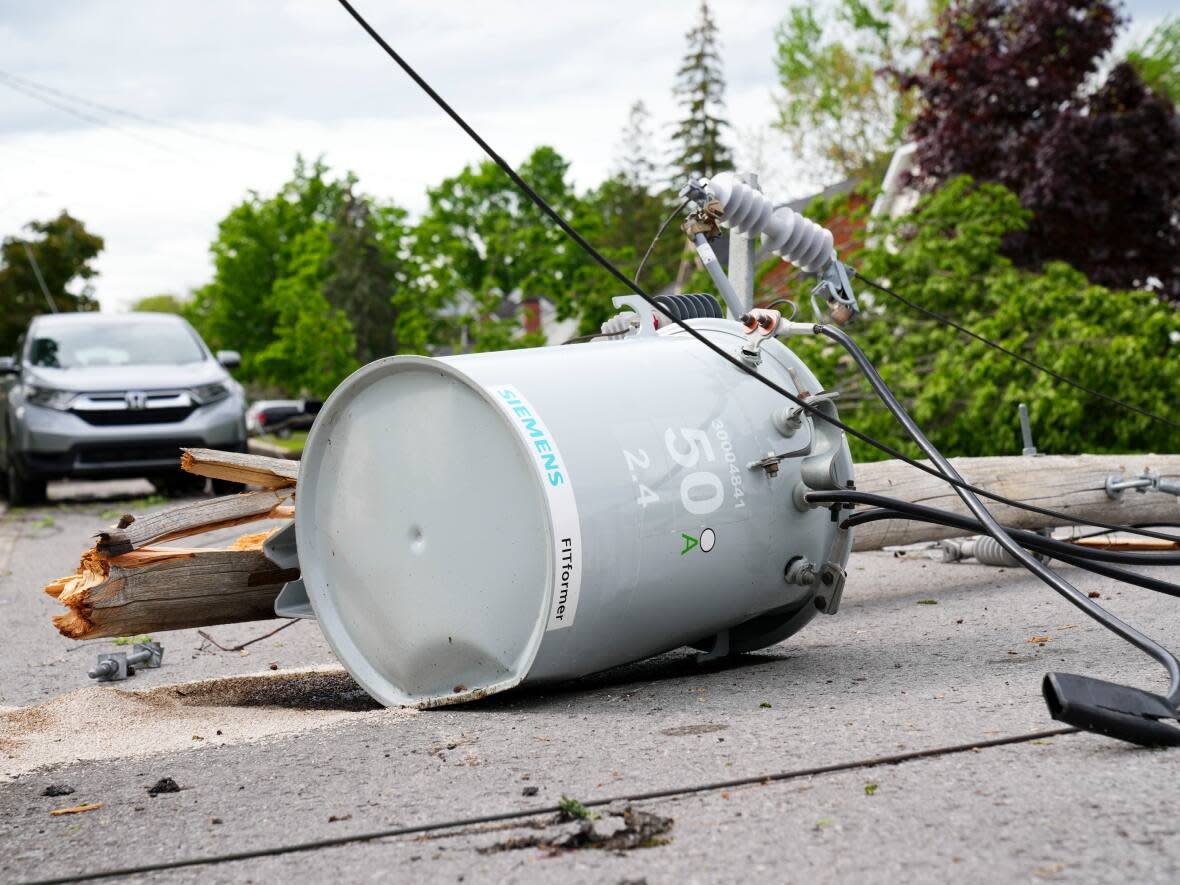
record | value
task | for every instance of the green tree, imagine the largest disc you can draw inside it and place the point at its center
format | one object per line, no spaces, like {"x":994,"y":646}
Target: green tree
{"x":481,"y":243}
{"x":360,"y":280}
{"x":161,"y":304}
{"x":627,"y":210}
{"x":1157,"y":59}
{"x":838,"y":104}
{"x":63,"y":251}
{"x":700,"y":150}
{"x":312,"y":348}
{"x":635,"y":159}
{"x":948,"y":258}
{"x":257,"y":245}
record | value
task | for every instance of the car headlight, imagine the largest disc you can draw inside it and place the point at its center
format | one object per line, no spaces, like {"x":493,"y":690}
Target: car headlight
{"x":210,"y":393}
{"x":48,"y":397}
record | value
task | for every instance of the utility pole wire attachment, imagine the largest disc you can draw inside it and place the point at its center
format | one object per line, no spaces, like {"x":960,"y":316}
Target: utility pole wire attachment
{"x":40,"y":279}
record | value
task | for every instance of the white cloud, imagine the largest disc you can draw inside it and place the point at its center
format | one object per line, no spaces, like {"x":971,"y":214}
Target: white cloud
{"x":300,"y":76}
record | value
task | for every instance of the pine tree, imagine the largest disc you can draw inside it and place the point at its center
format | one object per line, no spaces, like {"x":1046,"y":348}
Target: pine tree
{"x":700,"y":92}
{"x":635,"y":164}
{"x":360,"y":280}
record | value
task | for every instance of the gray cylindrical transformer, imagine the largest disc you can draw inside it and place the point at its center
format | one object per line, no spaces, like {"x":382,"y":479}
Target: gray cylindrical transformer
{"x":470,"y":522}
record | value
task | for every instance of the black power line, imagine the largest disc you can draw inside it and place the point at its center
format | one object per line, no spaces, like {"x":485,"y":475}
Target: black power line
{"x":1125,"y":576}
{"x":51,"y":96}
{"x":1032,"y":364}
{"x":85,"y":116}
{"x":610,"y":268}
{"x":318,"y":844}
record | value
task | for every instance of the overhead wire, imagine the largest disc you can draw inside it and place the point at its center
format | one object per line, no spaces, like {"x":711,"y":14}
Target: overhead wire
{"x":1122,"y":575}
{"x":633,"y":286}
{"x":659,"y":233}
{"x":47,"y":94}
{"x":82,"y":115}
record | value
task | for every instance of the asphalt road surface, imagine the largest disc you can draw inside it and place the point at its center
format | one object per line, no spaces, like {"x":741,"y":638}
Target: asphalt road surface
{"x":922,"y":655}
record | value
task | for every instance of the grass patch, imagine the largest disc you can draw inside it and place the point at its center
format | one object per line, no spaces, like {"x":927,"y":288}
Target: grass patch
{"x":132,"y":640}
{"x":136,"y":504}
{"x":292,"y":443}
{"x":572,"y":809}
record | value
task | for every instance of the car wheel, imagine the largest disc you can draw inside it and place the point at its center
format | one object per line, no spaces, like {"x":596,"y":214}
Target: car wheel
{"x":178,"y":485}
{"x":227,"y":487}
{"x":23,"y":491}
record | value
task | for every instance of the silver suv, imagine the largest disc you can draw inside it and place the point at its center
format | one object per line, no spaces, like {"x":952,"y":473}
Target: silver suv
{"x":113,"y":395}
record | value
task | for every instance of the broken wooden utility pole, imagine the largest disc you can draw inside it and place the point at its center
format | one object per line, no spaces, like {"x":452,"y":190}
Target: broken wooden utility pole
{"x":131,"y":583}
{"x":1073,"y":484}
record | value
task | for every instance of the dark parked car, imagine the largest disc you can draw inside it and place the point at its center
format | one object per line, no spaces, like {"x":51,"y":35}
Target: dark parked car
{"x":113,"y":395}
{"x":281,"y":415}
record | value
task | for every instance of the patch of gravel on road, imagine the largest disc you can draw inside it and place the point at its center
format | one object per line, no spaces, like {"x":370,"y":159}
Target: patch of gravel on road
{"x":104,"y":722}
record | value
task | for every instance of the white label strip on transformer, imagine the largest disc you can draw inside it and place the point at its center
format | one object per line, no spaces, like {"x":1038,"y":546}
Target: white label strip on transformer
{"x":563,"y":508}
{"x":708,"y":256}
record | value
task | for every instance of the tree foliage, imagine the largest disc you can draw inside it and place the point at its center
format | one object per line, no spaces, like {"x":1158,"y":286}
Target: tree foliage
{"x":1105,"y":192}
{"x":839,"y":103}
{"x":64,"y":251}
{"x":636,"y":160}
{"x":1005,"y":99}
{"x":163,"y":303}
{"x":370,"y":276}
{"x":486,"y":249}
{"x":312,"y":347}
{"x":1157,"y":60}
{"x":258,"y":244}
{"x":700,"y":149}
{"x":950,"y":259}
{"x":625,"y":212}
{"x":312,"y":282}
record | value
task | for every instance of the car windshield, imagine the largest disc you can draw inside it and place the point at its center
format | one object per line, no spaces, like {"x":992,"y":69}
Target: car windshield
{"x":79,"y":345}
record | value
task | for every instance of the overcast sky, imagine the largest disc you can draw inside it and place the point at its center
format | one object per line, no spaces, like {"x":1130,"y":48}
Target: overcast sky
{"x":239,"y":88}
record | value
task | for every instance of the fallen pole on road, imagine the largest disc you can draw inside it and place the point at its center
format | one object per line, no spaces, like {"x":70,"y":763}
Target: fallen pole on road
{"x":128,"y":584}
{"x":1074,"y":484}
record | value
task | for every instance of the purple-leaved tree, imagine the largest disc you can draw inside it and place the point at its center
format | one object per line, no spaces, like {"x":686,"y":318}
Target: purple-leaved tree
{"x":1004,"y":98}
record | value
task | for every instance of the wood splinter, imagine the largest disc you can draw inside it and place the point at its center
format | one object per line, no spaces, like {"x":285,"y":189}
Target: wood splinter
{"x":129,"y":584}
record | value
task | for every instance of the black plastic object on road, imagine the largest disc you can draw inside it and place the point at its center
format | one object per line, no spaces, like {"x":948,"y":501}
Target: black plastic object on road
{"x":1118,"y":711}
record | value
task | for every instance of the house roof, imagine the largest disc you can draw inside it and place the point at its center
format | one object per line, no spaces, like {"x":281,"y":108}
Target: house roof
{"x":832,"y":190}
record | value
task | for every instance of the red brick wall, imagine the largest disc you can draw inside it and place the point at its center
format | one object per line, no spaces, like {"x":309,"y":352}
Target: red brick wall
{"x":848,"y":231}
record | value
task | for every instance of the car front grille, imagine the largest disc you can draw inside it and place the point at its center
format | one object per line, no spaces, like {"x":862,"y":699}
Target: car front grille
{"x":117,"y":453}
{"x":120,"y":417}
{"x":119,"y":409}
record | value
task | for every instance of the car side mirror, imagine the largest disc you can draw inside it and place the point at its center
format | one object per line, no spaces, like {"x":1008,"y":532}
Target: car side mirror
{"x":230,"y":359}
{"x":9,"y":366}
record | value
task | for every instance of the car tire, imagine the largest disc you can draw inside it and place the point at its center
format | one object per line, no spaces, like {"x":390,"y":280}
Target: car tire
{"x":227,"y":487}
{"x":178,"y":485}
{"x":23,"y":490}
